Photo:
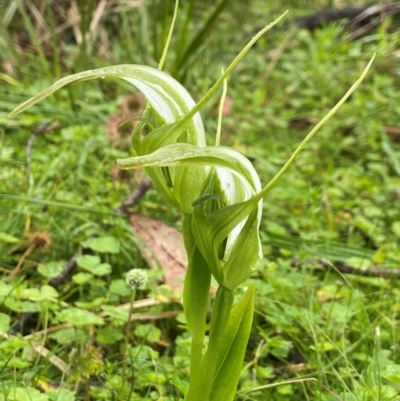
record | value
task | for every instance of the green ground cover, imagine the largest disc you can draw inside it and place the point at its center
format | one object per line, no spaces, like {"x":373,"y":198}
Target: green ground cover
{"x":333,"y":334}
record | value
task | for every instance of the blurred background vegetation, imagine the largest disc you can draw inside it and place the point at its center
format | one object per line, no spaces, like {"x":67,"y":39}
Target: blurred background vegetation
{"x":327,"y":300}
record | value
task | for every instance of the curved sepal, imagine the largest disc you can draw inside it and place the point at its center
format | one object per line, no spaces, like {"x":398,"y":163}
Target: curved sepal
{"x":168,"y":99}
{"x":228,"y":237}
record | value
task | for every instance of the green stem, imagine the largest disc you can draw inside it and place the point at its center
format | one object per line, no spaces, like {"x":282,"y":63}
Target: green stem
{"x":220,"y":112}
{"x":171,"y":29}
{"x":195,"y":365}
{"x":127,"y":336}
{"x":195,"y":302}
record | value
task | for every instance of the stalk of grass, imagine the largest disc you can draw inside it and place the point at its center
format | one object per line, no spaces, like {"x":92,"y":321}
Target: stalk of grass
{"x":135,"y":279}
{"x":85,"y":13}
{"x":185,"y":53}
{"x":144,"y":31}
{"x":53,"y":38}
{"x":6,"y":42}
{"x":184,"y":31}
{"x":286,"y":382}
{"x":127,"y":340}
{"x":318,"y":248}
{"x":63,"y":205}
{"x":35,"y":39}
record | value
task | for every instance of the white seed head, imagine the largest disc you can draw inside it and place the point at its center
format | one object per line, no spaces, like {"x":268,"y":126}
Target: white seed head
{"x":136,"y":278}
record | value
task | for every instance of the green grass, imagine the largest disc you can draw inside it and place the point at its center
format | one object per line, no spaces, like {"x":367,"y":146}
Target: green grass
{"x":340,"y":202}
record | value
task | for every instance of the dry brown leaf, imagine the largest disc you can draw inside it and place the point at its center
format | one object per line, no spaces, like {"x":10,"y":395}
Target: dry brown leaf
{"x":53,"y":359}
{"x":120,"y":135}
{"x":163,"y":247}
{"x":393,"y":133}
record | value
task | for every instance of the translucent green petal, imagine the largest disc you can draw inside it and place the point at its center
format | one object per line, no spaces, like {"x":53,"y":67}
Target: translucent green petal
{"x":228,"y":236}
{"x":181,"y":154}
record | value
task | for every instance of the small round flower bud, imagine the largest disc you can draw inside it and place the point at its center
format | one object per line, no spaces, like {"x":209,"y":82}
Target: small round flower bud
{"x":136,"y":278}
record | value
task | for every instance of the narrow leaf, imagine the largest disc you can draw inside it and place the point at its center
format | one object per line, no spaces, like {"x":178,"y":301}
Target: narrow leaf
{"x":166,"y":96}
{"x":232,"y":349}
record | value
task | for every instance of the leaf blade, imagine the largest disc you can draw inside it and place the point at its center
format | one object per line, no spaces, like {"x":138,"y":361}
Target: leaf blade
{"x":233,"y":348}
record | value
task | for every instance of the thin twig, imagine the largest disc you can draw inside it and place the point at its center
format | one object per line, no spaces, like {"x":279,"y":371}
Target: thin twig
{"x":380,"y":11}
{"x":53,"y":359}
{"x":292,"y":381}
{"x":136,"y":316}
{"x":135,"y":196}
{"x":277,"y":55}
{"x":68,"y":268}
{"x":324,"y":17}
{"x":17,"y":269}
{"x":343,"y":267}
{"x":54,"y":282}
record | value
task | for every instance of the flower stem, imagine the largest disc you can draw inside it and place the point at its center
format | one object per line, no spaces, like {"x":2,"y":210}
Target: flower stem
{"x":220,"y":317}
{"x":127,"y":336}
